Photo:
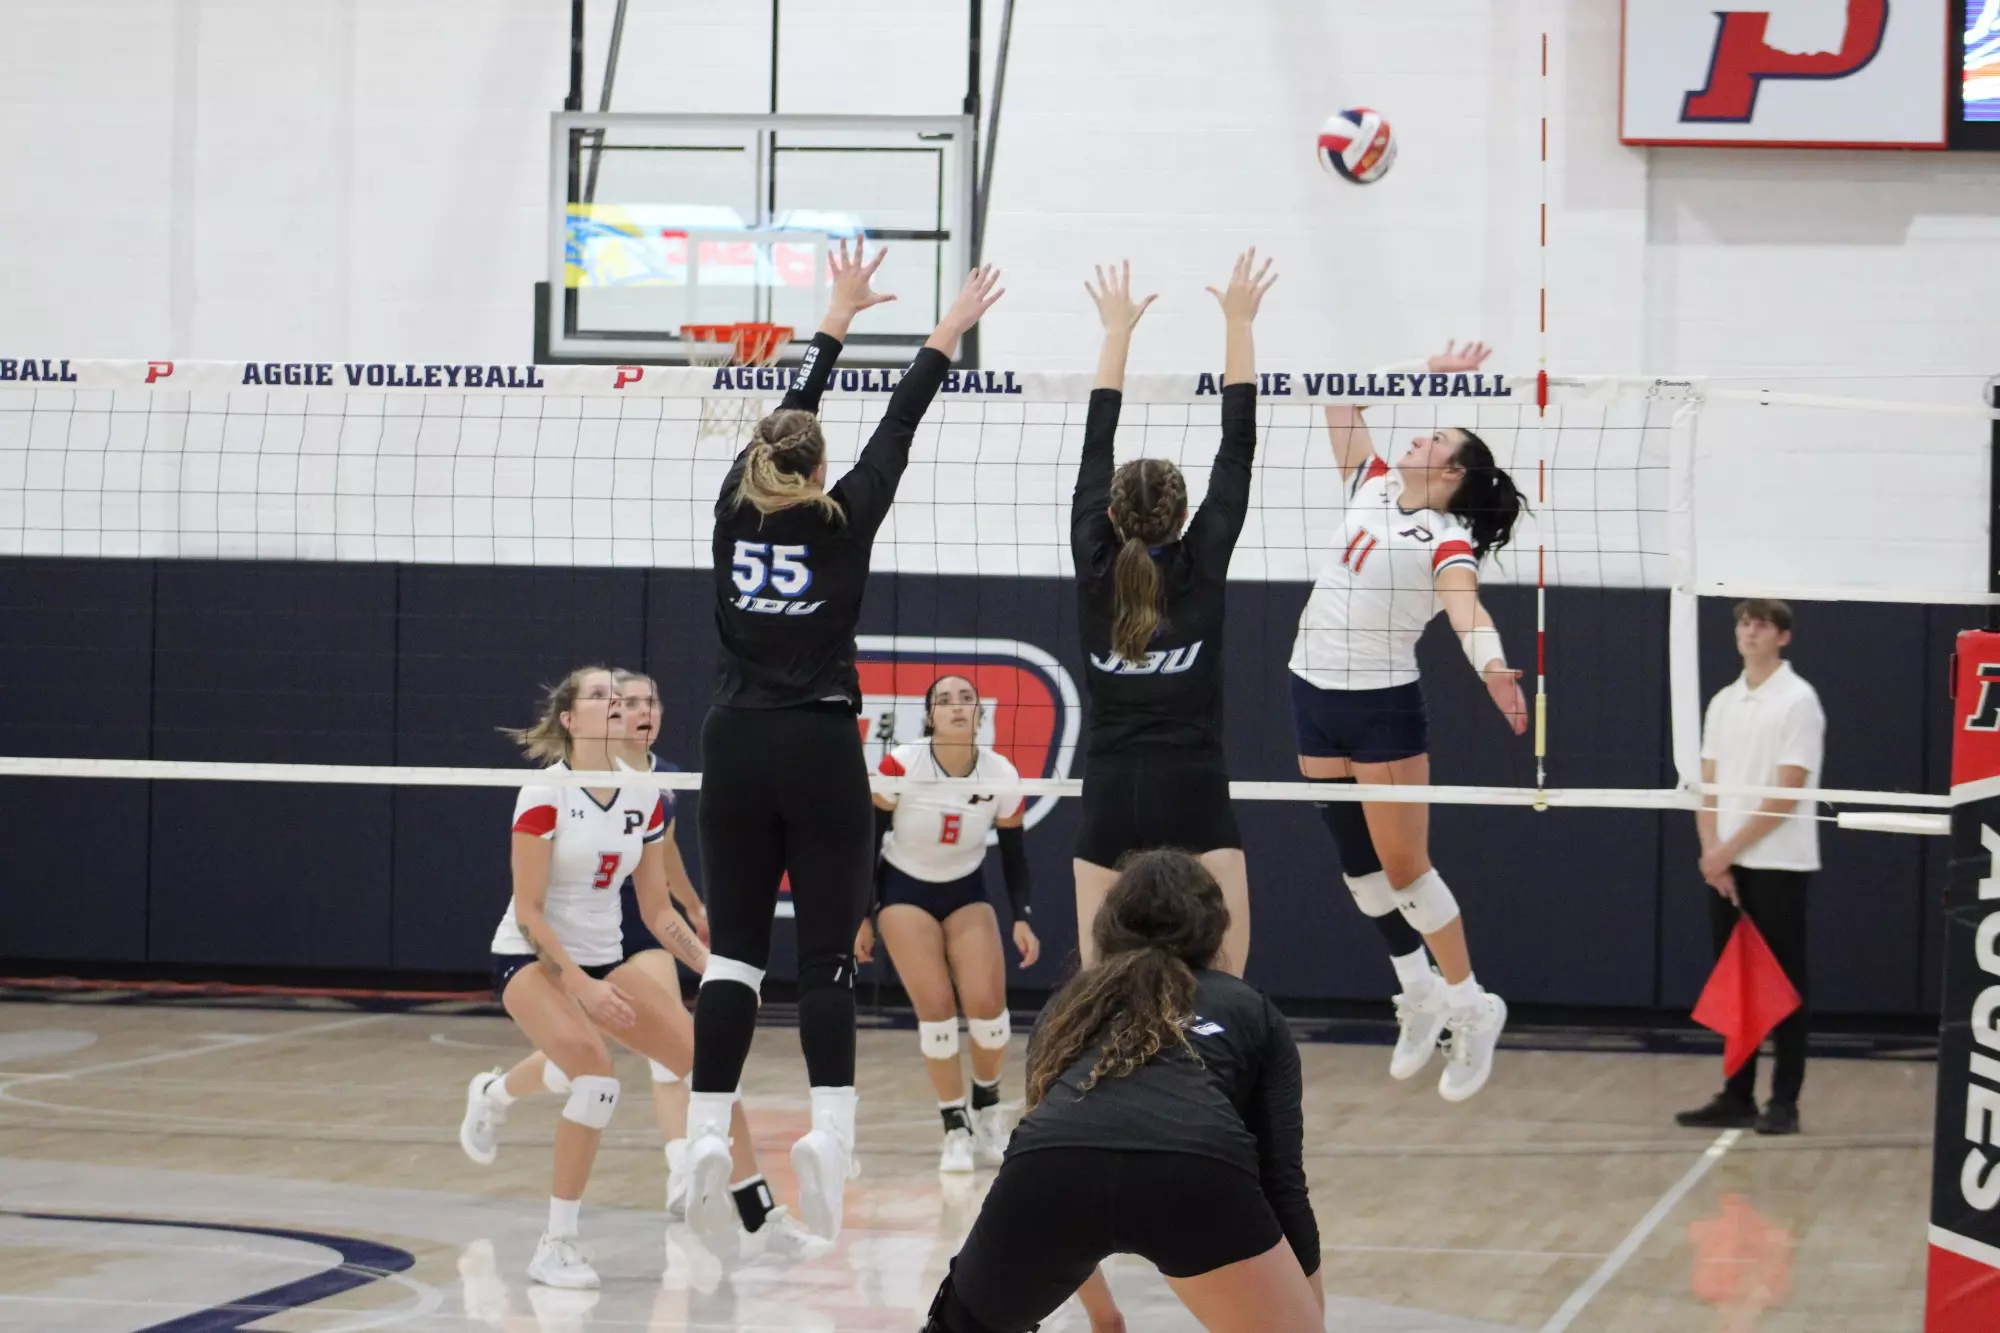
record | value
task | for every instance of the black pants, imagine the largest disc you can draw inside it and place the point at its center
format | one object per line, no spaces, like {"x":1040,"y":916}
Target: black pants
{"x":784,"y":791}
{"x":1775,"y":902}
{"x":1054,"y":1214}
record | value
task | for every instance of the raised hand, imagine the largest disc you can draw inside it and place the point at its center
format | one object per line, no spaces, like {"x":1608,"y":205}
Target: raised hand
{"x":1455,"y":359}
{"x":1247,"y":285}
{"x":851,"y":278}
{"x":982,"y":288}
{"x":1113,"y":295}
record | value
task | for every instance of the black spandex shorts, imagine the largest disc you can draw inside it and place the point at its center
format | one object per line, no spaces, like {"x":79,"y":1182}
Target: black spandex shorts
{"x":940,"y":900}
{"x":1134,"y":804}
{"x":1055,"y":1213}
{"x":505,"y":965}
{"x":1367,"y":726}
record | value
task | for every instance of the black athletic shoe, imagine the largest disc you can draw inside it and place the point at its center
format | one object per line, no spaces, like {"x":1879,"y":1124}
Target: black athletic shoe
{"x":1779,"y":1118}
{"x":1722,"y":1112}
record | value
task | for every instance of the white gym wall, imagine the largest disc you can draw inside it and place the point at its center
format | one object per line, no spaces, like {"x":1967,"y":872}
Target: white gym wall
{"x":222,"y":178}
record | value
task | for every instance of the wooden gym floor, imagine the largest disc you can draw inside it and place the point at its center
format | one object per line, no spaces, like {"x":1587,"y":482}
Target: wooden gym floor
{"x":207,"y":1169}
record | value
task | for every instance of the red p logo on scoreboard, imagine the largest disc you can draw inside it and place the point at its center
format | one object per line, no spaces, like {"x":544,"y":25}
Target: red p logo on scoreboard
{"x":1743,"y":58}
{"x":1033,"y":711}
{"x":628,"y":375}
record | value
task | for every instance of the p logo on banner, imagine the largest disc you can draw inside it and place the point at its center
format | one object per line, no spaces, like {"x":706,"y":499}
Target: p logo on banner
{"x":1791,"y":73}
{"x":1744,"y":57}
{"x":1033,"y":711}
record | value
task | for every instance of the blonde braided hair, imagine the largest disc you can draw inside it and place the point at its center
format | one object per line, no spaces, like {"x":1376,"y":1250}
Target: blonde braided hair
{"x":785,"y":450}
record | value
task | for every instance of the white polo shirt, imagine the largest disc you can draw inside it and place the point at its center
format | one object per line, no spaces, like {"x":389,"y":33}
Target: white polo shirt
{"x":1749,"y":733}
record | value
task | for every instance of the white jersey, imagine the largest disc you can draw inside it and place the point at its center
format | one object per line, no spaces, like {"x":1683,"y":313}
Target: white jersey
{"x":1367,"y":611}
{"x":596,"y":847}
{"x":940,"y":836}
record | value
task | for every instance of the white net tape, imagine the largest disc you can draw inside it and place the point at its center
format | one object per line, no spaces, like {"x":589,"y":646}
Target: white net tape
{"x":572,"y":467}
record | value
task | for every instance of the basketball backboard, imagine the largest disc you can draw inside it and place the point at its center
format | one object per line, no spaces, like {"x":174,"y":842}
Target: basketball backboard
{"x":656,"y":221}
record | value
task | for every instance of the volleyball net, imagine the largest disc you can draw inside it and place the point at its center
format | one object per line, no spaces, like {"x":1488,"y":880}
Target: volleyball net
{"x":390,"y":557}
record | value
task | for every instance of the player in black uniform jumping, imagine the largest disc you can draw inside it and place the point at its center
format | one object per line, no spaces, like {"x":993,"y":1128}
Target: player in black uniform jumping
{"x":1152,"y":611}
{"x":784,"y":782}
{"x":1163,"y":1120}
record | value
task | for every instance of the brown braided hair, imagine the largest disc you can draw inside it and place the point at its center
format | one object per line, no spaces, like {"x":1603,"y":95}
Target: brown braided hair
{"x":785,"y":450}
{"x":1148,"y":504}
{"x":1163,"y":919}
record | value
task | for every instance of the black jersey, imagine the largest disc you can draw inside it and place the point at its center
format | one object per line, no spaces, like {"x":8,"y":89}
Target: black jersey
{"x":1236,"y":1099}
{"x":1173,"y":697}
{"x":788,"y":585}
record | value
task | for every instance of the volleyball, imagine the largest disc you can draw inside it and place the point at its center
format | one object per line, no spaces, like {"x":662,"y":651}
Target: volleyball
{"x":1356,"y":145}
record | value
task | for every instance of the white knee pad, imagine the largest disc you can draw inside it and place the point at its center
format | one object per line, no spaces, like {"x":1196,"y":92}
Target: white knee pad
{"x":728,"y":969}
{"x":662,"y":1074}
{"x":1427,"y":904}
{"x":990,"y":1034}
{"x":939,"y":1040}
{"x":1372,"y":893}
{"x":553,"y":1077}
{"x":592,"y":1099}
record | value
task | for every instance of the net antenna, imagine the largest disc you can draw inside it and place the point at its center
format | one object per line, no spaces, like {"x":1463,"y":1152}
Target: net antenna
{"x":714,"y":346}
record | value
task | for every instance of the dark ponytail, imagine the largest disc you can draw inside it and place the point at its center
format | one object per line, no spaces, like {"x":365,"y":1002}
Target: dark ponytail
{"x":1148,"y":501}
{"x":1162,"y":920}
{"x":1487,"y":502}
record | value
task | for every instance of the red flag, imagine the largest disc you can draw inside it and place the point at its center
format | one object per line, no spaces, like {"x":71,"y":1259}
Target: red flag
{"x":1747,"y":995}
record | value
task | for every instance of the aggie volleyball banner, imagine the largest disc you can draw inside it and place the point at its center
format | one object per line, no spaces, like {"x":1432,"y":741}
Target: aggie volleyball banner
{"x":1333,"y":384}
{"x":1785,"y":73}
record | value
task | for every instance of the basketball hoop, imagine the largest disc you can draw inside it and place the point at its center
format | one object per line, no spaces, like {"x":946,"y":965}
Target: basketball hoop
{"x":745,"y":344}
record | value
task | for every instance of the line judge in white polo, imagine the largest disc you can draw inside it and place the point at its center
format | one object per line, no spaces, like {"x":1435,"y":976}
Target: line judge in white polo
{"x":1764,"y":729}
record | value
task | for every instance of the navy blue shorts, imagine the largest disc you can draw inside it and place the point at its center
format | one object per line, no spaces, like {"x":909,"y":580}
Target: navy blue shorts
{"x":1367,"y":726}
{"x":940,"y":900}
{"x":505,"y":965}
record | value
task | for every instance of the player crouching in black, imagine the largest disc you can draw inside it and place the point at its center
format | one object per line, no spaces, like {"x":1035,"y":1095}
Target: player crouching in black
{"x":1163,"y":1121}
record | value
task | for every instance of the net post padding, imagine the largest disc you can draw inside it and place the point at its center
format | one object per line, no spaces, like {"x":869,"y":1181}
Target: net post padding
{"x":1963,"y":1288}
{"x":748,"y":343}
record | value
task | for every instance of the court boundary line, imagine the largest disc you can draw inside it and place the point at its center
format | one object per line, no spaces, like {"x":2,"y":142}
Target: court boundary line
{"x":1567,"y":1312}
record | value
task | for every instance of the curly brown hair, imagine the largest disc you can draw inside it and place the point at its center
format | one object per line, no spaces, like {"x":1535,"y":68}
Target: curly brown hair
{"x":1162,"y":920}
{"x":1148,"y":502}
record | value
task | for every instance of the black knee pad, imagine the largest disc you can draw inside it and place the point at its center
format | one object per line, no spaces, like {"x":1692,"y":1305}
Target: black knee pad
{"x":1349,"y":826}
{"x":826,"y":973}
{"x":949,"y":1315}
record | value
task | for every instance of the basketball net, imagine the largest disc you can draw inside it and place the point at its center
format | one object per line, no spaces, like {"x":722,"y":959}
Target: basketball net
{"x":717,"y":345}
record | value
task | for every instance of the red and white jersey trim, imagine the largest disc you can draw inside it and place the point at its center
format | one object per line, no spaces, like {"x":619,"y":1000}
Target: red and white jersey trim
{"x":594,"y":848}
{"x":941,"y":836}
{"x":1371,"y":602}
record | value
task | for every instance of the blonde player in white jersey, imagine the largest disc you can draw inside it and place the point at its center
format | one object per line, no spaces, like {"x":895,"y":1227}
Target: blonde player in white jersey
{"x":941,"y":933}
{"x":491,"y":1094}
{"x":558,"y":957}
{"x":1410,"y":546}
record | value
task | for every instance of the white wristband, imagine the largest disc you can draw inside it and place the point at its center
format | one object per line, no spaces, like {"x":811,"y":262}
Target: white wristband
{"x":1482,"y":646}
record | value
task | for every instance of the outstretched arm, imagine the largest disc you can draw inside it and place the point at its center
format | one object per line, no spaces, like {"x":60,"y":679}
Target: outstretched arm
{"x":869,"y":488}
{"x":1219,"y":521}
{"x":1347,"y":430}
{"x":852,"y":294}
{"x":1458,"y":589}
{"x":1112,"y":294}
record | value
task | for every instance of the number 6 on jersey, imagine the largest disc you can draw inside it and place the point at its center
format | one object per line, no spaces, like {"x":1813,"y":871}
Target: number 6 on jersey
{"x":758,"y":565}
